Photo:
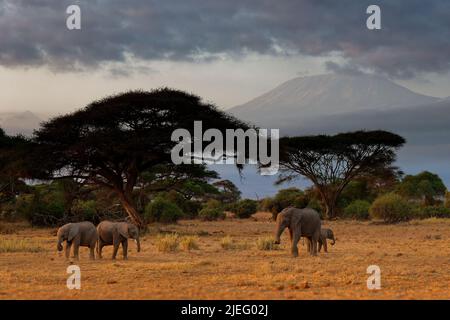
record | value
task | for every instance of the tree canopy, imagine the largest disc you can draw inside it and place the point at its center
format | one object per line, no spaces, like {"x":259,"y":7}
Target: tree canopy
{"x":331,"y":162}
{"x":425,"y":186}
{"x":111,"y":142}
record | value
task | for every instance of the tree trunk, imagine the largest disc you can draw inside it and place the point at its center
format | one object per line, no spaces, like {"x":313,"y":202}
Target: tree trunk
{"x":130,"y":208}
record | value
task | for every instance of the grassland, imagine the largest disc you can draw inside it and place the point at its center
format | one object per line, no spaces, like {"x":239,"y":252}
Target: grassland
{"x":226,"y":262}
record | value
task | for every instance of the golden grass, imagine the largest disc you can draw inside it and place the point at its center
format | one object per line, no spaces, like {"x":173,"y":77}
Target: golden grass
{"x":167,"y":242}
{"x":414,"y":262}
{"x":227,"y":243}
{"x":267,"y":243}
{"x":189,"y":243}
{"x":18,"y":245}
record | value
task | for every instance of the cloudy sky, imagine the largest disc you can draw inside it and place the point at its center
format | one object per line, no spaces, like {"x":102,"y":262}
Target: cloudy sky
{"x":226,"y":51}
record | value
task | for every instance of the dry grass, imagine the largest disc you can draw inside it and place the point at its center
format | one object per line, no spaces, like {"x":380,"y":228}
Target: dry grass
{"x":413,"y":257}
{"x":267,"y":243}
{"x":227,"y":243}
{"x":189,"y":243}
{"x":167,"y":242}
{"x":18,"y":245}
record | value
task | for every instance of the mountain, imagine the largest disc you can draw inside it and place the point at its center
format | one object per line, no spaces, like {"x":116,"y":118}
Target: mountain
{"x":19,"y":122}
{"x":339,"y":103}
{"x":304,"y":98}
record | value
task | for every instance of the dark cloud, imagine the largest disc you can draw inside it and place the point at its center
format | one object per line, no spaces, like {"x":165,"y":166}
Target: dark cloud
{"x":415,"y":35}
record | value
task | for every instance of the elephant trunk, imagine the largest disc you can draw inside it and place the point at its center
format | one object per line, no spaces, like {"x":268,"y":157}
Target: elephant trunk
{"x":278,"y":233}
{"x":333,"y":241}
{"x":59,"y":246}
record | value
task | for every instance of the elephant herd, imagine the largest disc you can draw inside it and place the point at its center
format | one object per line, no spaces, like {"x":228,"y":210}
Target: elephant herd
{"x":107,"y":233}
{"x":300,"y":223}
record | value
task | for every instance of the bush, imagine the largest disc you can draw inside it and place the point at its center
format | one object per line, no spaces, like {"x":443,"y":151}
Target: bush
{"x":245,"y":208}
{"x":189,"y":243}
{"x":167,"y":243}
{"x":358,"y":209}
{"x":266,"y":244}
{"x":432,"y":212}
{"x":85,"y":209}
{"x":212,"y":210}
{"x":447,"y":199}
{"x":162,"y":210}
{"x":391,"y":208}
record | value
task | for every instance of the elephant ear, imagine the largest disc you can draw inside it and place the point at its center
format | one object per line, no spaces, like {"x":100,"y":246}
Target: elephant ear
{"x":73,"y":231}
{"x":123,"y":230}
{"x":295,"y":219}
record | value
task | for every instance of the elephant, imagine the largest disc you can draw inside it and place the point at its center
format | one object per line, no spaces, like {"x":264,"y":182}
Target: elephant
{"x":301,"y":223}
{"x":79,"y":234}
{"x":116,"y":233}
{"x":324,"y":235}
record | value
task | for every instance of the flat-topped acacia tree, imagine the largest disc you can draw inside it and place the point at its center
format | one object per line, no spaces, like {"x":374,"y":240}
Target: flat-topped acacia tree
{"x":111,"y":142}
{"x":331,"y":162}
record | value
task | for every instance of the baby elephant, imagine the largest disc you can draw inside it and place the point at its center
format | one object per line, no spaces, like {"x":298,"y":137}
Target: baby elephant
{"x":79,"y":234}
{"x":116,"y":233}
{"x":324,"y":235}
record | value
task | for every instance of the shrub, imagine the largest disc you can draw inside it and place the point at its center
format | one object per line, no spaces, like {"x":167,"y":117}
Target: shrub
{"x":85,"y":209}
{"x":245,"y":208}
{"x":266,"y":244}
{"x":358,"y":209}
{"x":391,"y":208}
{"x":212,"y":210}
{"x":447,"y":199}
{"x":167,"y":243}
{"x":162,"y":210}
{"x":432,"y":212}
{"x":189,"y":243}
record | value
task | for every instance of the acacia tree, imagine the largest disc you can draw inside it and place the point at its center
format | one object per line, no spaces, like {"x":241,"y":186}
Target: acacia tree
{"x":331,"y":162}
{"x":111,"y":142}
{"x":13,"y":151}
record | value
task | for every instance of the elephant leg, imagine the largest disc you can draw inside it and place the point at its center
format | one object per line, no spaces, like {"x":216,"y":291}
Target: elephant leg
{"x":92,"y":251}
{"x":290,"y":234}
{"x":100,"y":246}
{"x":325,"y":248}
{"x":314,"y":241}
{"x":308,"y":245}
{"x":67,"y":249}
{"x":295,"y":241}
{"x":125,"y":249}
{"x":320,"y":245}
{"x":76,"y":249}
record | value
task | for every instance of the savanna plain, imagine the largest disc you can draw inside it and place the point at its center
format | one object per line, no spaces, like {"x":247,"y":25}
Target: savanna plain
{"x":227,"y":260}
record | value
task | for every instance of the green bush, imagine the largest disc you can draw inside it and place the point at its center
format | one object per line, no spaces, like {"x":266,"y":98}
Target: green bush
{"x":432,"y":212}
{"x":212,"y":210}
{"x":447,"y":199}
{"x":358,"y":209}
{"x":162,"y":210}
{"x":391,"y":208}
{"x":245,"y":208}
{"x":85,"y":210}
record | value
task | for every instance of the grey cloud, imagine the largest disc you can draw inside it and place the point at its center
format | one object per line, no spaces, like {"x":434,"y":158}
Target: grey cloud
{"x":415,"y":35}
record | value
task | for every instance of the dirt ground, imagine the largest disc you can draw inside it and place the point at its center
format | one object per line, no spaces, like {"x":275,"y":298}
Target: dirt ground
{"x":414,"y":259}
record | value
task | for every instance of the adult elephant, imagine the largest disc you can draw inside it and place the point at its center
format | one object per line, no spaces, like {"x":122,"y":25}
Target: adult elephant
{"x":115,"y":234}
{"x":301,"y":223}
{"x":77,"y":234}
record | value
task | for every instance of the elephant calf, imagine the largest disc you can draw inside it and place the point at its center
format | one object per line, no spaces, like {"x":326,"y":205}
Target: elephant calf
{"x":324,"y":235}
{"x":77,"y":234}
{"x":116,"y":233}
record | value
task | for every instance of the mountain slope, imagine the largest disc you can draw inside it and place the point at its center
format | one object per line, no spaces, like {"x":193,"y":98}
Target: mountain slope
{"x":308,"y":97}
{"x":19,"y":122}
